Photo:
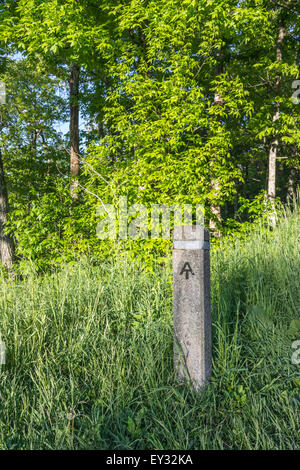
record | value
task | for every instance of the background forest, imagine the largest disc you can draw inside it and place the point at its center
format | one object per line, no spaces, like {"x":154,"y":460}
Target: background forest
{"x":164,"y":102}
{"x":190,"y":101}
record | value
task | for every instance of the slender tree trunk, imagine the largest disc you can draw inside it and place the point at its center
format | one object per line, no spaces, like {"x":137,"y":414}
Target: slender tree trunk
{"x":74,"y":128}
{"x":101,"y":130}
{"x":291,"y":194}
{"x":6,"y":242}
{"x":273,"y":152}
{"x":215,"y":221}
{"x":216,"y":211}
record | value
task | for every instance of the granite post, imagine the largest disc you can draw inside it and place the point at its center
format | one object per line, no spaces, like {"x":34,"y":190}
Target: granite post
{"x":191,"y":305}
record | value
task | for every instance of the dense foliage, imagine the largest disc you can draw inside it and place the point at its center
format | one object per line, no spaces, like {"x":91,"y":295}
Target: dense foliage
{"x":184,"y":101}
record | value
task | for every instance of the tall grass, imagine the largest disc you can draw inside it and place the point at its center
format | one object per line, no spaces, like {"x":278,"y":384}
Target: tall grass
{"x":89,"y":354}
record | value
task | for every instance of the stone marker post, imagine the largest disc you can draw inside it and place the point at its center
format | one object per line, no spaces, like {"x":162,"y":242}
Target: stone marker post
{"x":191,"y":304}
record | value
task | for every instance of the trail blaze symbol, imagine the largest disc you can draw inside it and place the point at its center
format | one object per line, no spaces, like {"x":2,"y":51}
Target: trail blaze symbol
{"x":187,"y":270}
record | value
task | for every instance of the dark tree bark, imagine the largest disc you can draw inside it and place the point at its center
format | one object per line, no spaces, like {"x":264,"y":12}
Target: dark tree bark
{"x":74,"y":128}
{"x":6,"y":242}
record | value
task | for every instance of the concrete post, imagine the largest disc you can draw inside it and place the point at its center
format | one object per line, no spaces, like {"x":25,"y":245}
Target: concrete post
{"x":191,"y":305}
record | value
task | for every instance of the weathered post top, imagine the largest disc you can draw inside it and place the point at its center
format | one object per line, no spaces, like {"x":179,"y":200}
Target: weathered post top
{"x":191,"y":237}
{"x":191,"y":304}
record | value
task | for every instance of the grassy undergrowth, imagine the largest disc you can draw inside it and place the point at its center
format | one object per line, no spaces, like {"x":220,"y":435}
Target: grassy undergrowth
{"x":89,"y":355}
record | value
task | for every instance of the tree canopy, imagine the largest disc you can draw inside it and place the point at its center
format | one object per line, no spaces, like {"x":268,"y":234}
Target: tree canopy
{"x":184,"y":101}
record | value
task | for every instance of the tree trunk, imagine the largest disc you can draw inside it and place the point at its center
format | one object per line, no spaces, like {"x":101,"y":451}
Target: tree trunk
{"x":291,"y":194}
{"x":216,"y":211}
{"x":74,"y":128}
{"x":273,"y":152}
{"x":6,"y":242}
{"x":216,"y":208}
